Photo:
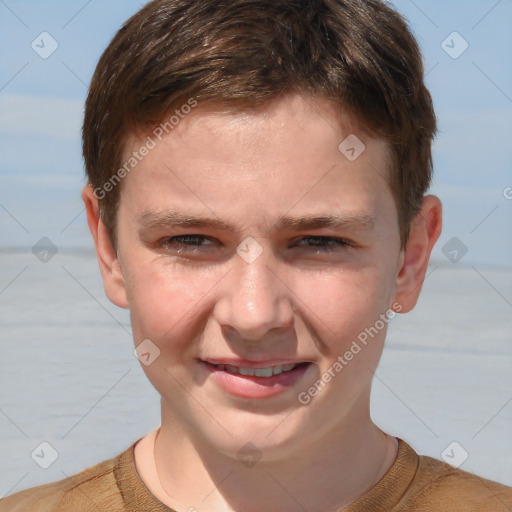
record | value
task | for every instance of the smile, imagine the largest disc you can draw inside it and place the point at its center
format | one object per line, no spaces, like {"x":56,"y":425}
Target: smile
{"x":244,"y":380}
{"x":257,"y":372}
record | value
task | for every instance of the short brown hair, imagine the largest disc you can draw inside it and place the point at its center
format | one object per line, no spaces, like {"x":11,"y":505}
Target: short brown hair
{"x":243,"y":54}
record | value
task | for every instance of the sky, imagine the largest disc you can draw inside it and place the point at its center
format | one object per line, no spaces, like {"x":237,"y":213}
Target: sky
{"x":468,"y":62}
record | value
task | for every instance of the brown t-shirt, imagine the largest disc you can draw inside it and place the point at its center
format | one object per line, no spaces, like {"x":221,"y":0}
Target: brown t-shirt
{"x":412,"y":484}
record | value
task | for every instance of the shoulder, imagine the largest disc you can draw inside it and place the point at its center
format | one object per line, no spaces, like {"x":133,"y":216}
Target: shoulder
{"x":92,"y":489}
{"x":437,"y":486}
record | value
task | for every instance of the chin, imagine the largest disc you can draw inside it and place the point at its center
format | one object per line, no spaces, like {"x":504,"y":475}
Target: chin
{"x":258,"y":437}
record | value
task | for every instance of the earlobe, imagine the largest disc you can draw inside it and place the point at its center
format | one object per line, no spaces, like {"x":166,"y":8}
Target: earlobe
{"x":424,"y":233}
{"x":108,"y":261}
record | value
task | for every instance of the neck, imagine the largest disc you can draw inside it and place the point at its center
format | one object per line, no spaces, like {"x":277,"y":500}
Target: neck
{"x":325,"y":476}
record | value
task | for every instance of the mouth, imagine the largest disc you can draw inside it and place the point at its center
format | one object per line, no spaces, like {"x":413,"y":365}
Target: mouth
{"x":268,"y":371}
{"x":256,"y":380}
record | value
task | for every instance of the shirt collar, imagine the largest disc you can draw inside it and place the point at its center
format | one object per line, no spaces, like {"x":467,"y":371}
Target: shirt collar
{"x":383,"y":496}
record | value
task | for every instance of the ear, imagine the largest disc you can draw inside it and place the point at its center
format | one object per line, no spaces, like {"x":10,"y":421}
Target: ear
{"x":110,"y":267}
{"x":424,"y":233}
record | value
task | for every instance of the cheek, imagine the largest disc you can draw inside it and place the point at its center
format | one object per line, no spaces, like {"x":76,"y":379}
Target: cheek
{"x":165,"y":303}
{"x":343,"y":304}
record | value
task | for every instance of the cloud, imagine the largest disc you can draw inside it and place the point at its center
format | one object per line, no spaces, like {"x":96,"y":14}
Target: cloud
{"x":37,"y":115}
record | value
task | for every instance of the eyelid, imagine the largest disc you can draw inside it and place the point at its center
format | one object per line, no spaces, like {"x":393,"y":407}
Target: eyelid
{"x":327,"y":238}
{"x":202,"y":238}
{"x":327,"y":243}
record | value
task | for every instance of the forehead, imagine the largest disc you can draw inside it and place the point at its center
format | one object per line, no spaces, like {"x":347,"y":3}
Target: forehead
{"x":294,"y":116}
{"x":297,"y":152}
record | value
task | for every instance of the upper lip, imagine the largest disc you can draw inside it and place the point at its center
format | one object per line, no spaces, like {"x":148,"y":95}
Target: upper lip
{"x":245,"y":363}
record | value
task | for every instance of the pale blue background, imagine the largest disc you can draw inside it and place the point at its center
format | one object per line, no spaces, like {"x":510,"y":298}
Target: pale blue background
{"x":67,"y":372}
{"x":41,"y":170}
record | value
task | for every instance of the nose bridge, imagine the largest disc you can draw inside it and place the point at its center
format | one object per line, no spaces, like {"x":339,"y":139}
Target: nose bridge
{"x":256,"y":282}
{"x":255,"y":300}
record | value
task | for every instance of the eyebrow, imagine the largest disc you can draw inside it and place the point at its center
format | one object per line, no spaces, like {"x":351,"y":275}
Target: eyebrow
{"x":359,"y":220}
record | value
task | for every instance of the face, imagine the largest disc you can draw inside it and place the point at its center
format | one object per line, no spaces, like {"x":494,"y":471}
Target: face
{"x":253,"y":241}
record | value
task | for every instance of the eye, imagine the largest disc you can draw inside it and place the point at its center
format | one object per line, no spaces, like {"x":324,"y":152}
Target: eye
{"x":195,"y":244}
{"x":323,"y":243}
{"x":186,"y":243}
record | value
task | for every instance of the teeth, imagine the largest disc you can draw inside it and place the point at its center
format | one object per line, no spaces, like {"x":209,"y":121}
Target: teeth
{"x":276,"y":370}
{"x":258,"y":372}
{"x":263,"y":372}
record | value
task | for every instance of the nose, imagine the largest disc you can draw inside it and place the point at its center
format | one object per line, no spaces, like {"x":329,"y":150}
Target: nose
{"x":255,"y":299}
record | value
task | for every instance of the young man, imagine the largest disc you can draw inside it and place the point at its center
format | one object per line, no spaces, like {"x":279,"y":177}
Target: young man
{"x":257,"y":177}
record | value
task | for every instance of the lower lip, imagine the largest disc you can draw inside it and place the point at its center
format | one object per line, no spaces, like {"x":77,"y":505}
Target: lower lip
{"x":250,"y":386}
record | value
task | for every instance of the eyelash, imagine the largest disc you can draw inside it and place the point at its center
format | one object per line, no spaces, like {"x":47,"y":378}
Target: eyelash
{"x":329,"y":244}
